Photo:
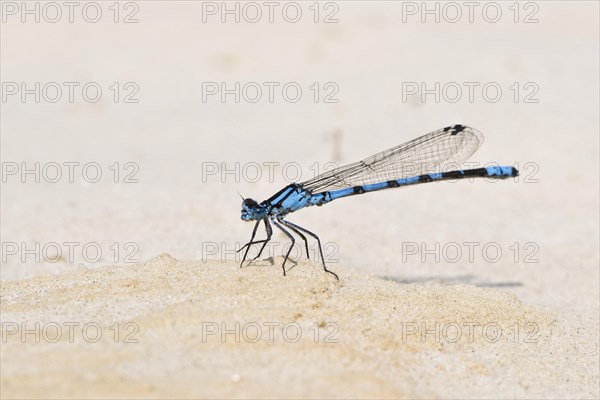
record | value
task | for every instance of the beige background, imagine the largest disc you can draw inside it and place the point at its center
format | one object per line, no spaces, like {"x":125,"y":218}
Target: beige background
{"x":172,"y":135}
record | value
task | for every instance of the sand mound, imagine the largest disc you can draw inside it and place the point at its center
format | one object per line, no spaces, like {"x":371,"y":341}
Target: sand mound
{"x":173,"y":328}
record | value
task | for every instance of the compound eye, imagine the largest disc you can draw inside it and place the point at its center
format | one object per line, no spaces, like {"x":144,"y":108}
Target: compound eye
{"x":249,"y":203}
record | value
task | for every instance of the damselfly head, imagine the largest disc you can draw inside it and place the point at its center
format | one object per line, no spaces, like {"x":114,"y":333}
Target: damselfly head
{"x":251,"y":210}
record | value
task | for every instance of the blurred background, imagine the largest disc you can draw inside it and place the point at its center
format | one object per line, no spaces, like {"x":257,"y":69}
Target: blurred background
{"x":128,"y":128}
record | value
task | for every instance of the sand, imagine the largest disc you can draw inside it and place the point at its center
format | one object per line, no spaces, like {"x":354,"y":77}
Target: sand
{"x":416,"y":313}
{"x":208,"y":330}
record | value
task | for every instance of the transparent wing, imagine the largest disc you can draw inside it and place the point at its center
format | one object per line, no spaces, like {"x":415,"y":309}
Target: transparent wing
{"x":423,"y":155}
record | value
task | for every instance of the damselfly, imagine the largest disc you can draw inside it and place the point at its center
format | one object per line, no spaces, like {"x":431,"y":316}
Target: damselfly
{"x":414,"y":162}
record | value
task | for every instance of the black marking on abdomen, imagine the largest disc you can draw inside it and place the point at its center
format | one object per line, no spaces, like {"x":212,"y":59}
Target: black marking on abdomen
{"x":453,"y":175}
{"x":464,"y":173}
{"x":325,"y":199}
{"x":358,"y":190}
{"x":425,"y":178}
{"x":392,"y":184}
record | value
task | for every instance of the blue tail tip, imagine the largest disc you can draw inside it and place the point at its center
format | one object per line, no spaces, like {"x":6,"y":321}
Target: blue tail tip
{"x":502,"y":172}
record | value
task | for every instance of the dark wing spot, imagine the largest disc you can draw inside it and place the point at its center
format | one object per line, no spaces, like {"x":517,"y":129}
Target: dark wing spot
{"x":457,"y":129}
